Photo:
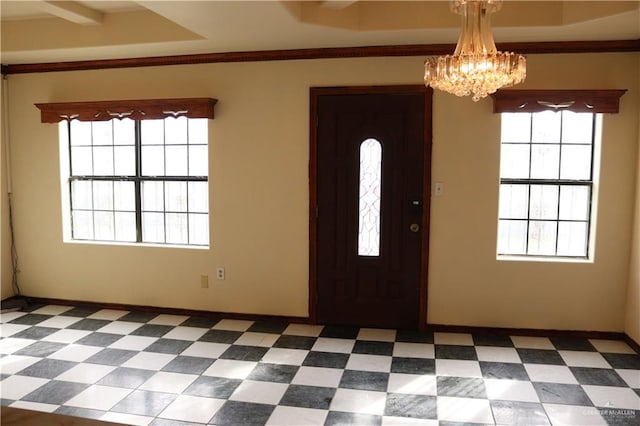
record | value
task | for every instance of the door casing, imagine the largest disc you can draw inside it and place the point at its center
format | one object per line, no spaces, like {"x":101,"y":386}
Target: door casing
{"x":315,"y":93}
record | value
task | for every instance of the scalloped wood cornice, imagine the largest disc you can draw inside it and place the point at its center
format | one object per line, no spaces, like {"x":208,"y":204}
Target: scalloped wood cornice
{"x":598,"y":101}
{"x":146,"y":109}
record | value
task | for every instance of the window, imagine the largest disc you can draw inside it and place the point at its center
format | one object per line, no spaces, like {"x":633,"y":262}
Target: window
{"x":546,"y":182}
{"x":546,"y":170}
{"x":136,"y":179}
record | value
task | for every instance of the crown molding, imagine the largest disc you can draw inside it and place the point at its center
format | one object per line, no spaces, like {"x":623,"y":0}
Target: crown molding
{"x":606,"y":46}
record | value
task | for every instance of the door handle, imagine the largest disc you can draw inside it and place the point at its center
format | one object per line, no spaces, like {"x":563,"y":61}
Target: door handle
{"x":414,"y":227}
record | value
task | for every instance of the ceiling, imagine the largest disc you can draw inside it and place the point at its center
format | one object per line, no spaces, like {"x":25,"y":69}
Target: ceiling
{"x":35,"y":31}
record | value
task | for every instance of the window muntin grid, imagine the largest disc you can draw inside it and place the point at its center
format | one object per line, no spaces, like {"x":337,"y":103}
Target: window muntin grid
{"x":546,"y":182}
{"x":108,"y":180}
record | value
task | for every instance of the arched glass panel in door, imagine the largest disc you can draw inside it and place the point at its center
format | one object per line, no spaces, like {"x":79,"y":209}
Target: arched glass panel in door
{"x":369,"y":198}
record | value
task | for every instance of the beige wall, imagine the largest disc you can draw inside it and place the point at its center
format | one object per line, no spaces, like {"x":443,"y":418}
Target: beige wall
{"x":632,"y":323}
{"x":259,"y":156}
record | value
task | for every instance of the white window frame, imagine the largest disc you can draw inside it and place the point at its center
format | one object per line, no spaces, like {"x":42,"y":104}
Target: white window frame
{"x":138,"y":181}
{"x":557,"y":186}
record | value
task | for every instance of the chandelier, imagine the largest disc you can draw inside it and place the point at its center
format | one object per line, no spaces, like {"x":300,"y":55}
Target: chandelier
{"x":476,"y":67}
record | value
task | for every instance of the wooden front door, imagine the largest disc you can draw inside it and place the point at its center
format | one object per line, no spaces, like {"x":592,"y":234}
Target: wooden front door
{"x":371,"y":170}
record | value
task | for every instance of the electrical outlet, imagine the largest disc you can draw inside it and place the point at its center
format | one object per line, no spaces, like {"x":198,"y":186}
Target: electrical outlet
{"x":220,"y":273}
{"x":204,"y":281}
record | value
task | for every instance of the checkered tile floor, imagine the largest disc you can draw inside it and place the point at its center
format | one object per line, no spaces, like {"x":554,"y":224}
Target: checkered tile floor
{"x":154,"y":369}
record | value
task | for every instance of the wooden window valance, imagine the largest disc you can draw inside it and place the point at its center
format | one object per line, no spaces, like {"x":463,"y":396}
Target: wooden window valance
{"x":147,"y":109}
{"x":597,"y":101}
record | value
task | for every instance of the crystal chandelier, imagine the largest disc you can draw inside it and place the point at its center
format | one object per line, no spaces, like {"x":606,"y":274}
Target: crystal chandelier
{"x":476,"y":67}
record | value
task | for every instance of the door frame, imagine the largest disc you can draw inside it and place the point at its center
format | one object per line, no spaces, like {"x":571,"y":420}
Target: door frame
{"x":315,"y":93}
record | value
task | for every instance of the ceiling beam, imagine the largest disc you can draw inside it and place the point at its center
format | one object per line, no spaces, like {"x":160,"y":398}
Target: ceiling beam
{"x":72,"y":11}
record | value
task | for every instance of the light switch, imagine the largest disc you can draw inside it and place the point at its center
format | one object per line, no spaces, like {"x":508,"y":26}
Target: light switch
{"x":438,"y":189}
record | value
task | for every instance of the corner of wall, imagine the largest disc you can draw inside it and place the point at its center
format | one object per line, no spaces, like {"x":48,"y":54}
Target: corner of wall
{"x":632,"y":320}
{"x":6,"y":289}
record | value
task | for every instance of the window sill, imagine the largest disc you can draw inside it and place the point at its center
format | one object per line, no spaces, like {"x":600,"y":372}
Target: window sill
{"x":543,"y":259}
{"x":139,"y":245}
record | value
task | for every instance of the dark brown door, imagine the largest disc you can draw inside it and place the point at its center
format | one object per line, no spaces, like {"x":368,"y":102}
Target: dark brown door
{"x":371,"y":218}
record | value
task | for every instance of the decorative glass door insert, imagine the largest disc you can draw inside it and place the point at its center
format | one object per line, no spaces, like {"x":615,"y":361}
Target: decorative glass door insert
{"x":369,"y":196}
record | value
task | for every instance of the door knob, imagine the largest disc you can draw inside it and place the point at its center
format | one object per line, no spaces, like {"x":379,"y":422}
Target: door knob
{"x":414,"y":227}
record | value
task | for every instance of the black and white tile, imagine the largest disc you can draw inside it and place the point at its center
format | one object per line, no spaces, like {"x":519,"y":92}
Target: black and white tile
{"x":144,"y":368}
